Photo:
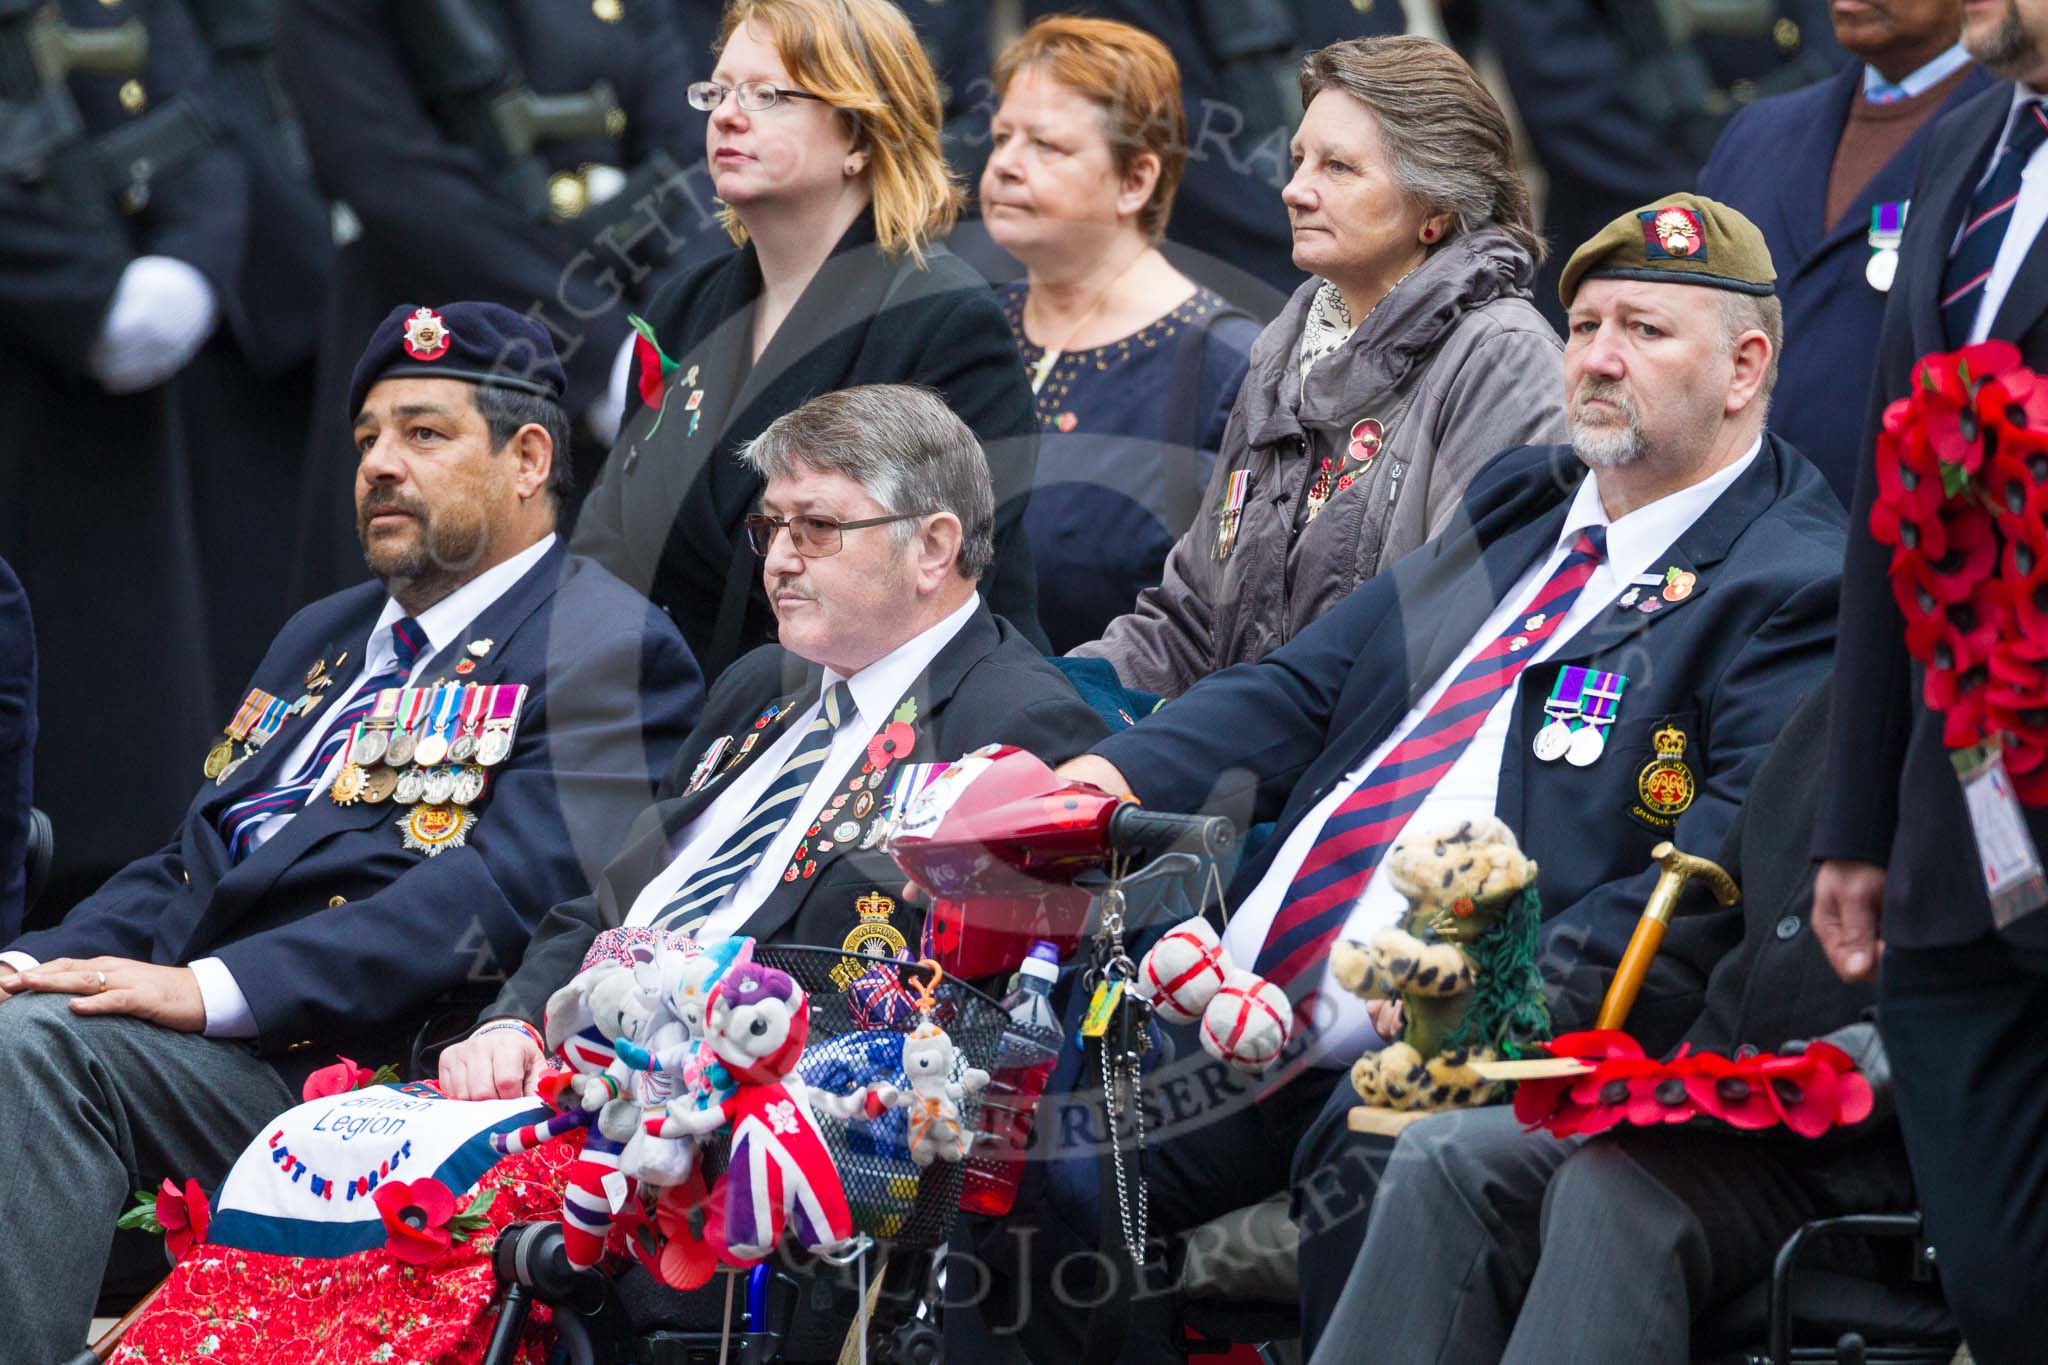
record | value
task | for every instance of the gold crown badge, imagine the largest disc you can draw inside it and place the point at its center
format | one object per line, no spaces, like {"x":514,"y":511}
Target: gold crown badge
{"x":874,"y":908}
{"x":1670,"y":742}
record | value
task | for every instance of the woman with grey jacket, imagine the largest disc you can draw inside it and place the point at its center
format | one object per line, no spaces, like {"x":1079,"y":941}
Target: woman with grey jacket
{"x":1410,"y":358}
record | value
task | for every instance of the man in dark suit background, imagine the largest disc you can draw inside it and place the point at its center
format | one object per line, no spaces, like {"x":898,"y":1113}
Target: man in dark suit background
{"x":148,"y":1034}
{"x":1961,"y":994}
{"x":1810,"y":168}
{"x":877,"y":521}
{"x":1698,"y":562}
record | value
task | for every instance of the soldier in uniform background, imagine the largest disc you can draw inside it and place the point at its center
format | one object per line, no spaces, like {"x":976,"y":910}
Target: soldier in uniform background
{"x":122,"y":224}
{"x":536,"y":153}
{"x":1623,"y":99}
{"x":246,"y":399}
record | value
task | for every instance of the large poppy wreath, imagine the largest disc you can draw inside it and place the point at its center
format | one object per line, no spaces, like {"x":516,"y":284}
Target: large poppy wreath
{"x":1962,"y":499}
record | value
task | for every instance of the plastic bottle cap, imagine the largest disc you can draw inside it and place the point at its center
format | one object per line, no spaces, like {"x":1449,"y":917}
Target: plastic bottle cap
{"x":1041,"y":965}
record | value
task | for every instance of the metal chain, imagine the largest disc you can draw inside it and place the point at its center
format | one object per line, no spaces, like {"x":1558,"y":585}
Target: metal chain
{"x":1135,"y":1230}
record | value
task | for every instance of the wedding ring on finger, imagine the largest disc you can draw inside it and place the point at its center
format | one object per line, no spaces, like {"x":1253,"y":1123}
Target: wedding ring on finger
{"x":99,"y":982}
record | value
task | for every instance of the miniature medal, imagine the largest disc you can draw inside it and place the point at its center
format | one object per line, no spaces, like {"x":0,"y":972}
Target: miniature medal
{"x":1601,"y":698}
{"x":1887,"y":231}
{"x":1586,"y":746}
{"x":217,"y":758}
{"x":433,"y":746}
{"x":378,"y":785}
{"x":438,"y":787}
{"x":1554,"y":740}
{"x":469,"y":785}
{"x":348,"y":785}
{"x":1233,"y":511}
{"x":411,"y":785}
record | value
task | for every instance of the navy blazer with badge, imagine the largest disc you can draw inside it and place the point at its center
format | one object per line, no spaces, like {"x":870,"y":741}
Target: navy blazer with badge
{"x":332,"y":929}
{"x":1725,"y":665}
{"x":1772,"y":164}
{"x":988,"y":685}
{"x":1893,"y":797}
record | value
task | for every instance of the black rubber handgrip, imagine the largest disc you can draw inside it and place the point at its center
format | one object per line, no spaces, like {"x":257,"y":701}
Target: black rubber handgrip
{"x":1133,"y":829}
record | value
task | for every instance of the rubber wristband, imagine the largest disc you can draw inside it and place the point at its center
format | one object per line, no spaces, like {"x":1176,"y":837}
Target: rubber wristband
{"x":500,"y":1025}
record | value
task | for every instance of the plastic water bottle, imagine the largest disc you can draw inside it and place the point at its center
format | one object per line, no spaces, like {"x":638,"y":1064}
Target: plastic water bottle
{"x":1024,"y":1062}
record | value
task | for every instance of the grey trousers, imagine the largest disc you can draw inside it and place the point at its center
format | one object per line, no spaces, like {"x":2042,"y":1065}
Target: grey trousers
{"x":92,"y":1109}
{"x":1488,"y":1244}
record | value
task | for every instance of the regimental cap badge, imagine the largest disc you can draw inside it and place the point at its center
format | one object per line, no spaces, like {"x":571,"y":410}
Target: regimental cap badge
{"x":1673,"y":230}
{"x":426,"y":335}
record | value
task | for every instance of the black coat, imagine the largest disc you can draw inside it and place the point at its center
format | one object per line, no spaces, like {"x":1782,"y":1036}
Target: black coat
{"x":435,"y":226}
{"x":1892,"y":795}
{"x":17,"y":744}
{"x":665,"y":513}
{"x":96,"y":498}
{"x":987,"y":686}
{"x":1726,"y":665}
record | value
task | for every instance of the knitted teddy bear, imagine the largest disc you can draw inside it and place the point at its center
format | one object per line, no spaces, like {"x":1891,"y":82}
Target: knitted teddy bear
{"x":1462,"y":963}
{"x":780,"y":1172}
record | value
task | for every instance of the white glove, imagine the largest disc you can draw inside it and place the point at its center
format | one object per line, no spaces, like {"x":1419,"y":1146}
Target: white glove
{"x":162,"y":313}
{"x":608,"y":413}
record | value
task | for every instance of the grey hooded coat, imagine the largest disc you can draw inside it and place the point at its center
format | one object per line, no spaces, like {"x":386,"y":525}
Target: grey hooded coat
{"x":1455,"y":364}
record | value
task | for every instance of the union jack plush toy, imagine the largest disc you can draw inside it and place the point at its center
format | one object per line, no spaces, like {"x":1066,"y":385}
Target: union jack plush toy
{"x":780,"y":1173}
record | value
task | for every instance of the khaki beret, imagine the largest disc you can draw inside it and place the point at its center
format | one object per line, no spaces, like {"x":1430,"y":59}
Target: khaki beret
{"x":1680,"y":239}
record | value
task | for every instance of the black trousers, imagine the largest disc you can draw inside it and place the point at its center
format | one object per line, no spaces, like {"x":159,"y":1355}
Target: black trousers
{"x":1967,"y":1031}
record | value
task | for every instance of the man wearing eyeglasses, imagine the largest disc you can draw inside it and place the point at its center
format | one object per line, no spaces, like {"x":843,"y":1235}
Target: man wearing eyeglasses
{"x":876,"y":523}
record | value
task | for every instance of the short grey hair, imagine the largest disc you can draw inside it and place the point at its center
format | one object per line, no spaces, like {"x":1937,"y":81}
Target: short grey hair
{"x":899,"y":442}
{"x":1759,"y":313}
{"x":1447,"y":142}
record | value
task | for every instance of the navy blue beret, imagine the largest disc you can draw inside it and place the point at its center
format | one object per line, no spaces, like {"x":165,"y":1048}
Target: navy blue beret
{"x":482,"y":343}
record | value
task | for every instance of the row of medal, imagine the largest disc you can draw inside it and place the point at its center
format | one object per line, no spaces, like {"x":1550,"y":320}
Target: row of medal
{"x":260,"y":716}
{"x":431,"y":745}
{"x":1582,"y":706}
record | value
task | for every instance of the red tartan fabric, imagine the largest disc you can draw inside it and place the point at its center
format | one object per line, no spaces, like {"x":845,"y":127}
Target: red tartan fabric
{"x":224,"y":1306}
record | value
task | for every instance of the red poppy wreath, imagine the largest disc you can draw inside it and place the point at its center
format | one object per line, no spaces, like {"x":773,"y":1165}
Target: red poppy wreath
{"x":1962,"y":493}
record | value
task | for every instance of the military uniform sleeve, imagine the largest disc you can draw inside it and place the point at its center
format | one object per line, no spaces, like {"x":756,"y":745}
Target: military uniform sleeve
{"x":609,"y":718}
{"x":1167,"y":641}
{"x":1748,"y":706}
{"x":199,"y":212}
{"x":422,"y":198}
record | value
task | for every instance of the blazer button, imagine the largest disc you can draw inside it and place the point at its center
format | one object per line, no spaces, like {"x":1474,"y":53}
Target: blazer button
{"x":336,"y":902}
{"x":187,"y":876}
{"x":1788,"y":927}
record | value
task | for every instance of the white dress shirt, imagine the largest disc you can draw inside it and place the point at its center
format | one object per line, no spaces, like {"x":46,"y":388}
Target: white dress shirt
{"x":227,"y":1009}
{"x":2028,"y":216}
{"x":1636,"y":544}
{"x":876,"y":691}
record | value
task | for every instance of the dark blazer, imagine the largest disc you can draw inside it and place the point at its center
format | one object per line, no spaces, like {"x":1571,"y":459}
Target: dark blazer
{"x":665,"y":513}
{"x":17,"y":744}
{"x":1773,"y":165}
{"x":1892,"y":796}
{"x":987,"y":686}
{"x":1724,"y":665}
{"x":332,"y":929}
{"x":1767,"y":980}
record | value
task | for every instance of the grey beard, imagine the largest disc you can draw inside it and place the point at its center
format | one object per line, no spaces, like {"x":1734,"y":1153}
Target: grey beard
{"x":1608,"y":447}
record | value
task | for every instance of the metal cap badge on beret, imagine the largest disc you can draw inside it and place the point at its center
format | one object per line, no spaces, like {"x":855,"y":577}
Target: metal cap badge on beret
{"x":481,"y":343}
{"x":1680,"y":239}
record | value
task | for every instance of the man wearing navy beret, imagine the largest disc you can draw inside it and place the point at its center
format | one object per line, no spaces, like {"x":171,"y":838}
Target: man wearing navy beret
{"x":420,"y":768}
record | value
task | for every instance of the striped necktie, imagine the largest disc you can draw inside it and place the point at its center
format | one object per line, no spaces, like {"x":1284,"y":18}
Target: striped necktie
{"x":240,"y":821}
{"x":1975,"y":249}
{"x":707,"y":887}
{"x":1366,"y":824}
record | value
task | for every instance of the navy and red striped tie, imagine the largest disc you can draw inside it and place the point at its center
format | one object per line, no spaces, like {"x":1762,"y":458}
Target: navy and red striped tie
{"x":1975,"y":249}
{"x":1361,"y":830}
{"x":239,"y":822}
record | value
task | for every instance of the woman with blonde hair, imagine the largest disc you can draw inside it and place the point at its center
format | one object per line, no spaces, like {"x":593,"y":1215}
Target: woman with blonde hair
{"x":823,"y":149}
{"x":1134,"y":367}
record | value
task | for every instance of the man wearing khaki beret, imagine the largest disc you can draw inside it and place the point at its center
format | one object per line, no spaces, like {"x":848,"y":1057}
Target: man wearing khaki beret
{"x":1663,"y":589}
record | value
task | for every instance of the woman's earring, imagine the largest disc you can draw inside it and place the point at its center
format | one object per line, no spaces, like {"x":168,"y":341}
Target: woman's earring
{"x":1429,"y":234}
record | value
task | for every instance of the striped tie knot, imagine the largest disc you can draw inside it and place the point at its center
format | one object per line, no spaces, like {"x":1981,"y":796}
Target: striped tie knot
{"x":407,"y":639}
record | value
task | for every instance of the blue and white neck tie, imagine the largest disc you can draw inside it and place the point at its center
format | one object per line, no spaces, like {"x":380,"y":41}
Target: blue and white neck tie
{"x":1975,"y":249}
{"x":708,"y":886}
{"x":239,"y":822}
